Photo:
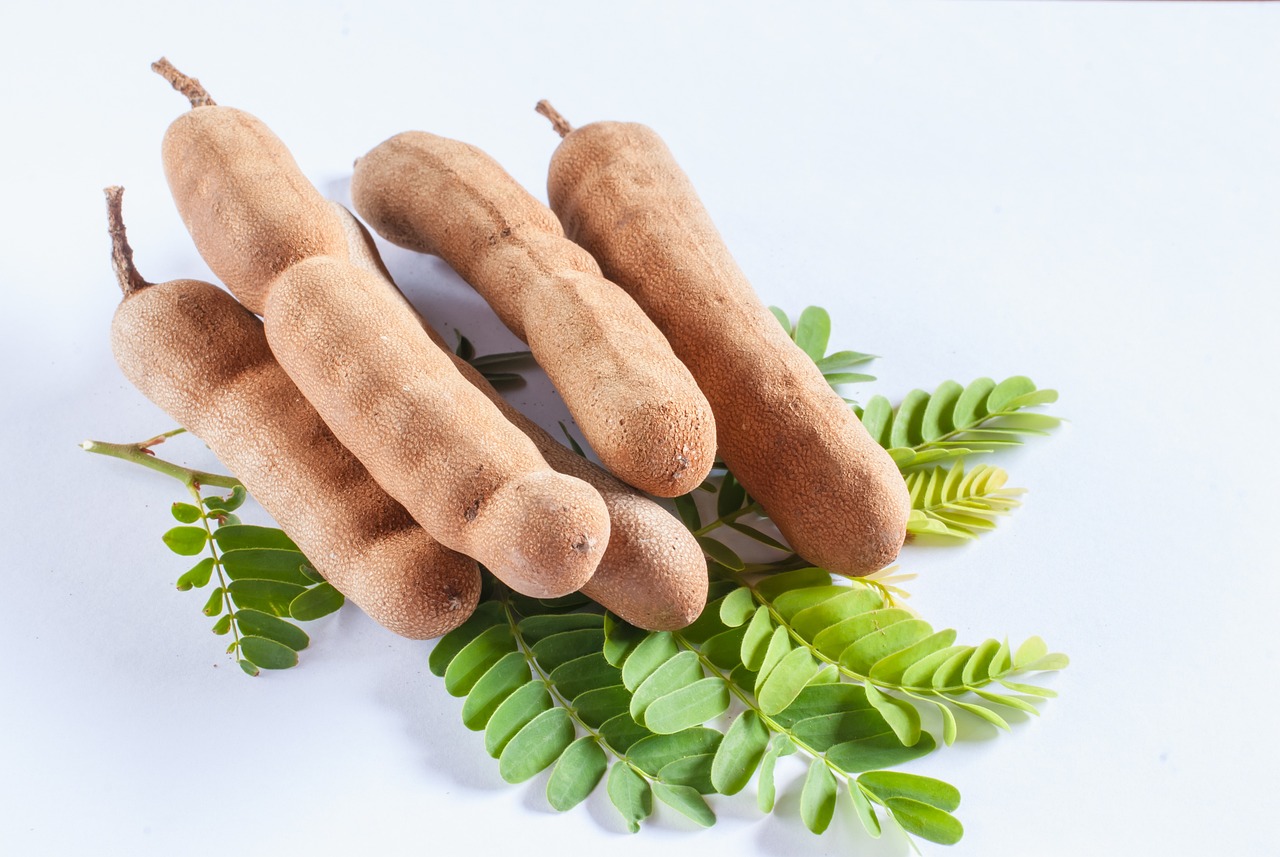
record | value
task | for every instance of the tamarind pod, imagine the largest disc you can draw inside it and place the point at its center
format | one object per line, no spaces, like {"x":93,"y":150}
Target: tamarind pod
{"x":637,"y":404}
{"x":653,"y":573}
{"x":436,"y":445}
{"x":249,"y":208}
{"x":795,"y":445}
{"x":203,"y":358}
{"x":433,"y":441}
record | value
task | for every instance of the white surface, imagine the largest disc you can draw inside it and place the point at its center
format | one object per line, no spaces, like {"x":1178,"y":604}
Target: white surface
{"x":1084,"y":193}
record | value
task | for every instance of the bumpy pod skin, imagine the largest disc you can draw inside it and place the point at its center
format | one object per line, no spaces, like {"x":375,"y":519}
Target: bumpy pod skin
{"x":247,"y":205}
{"x":795,"y":445}
{"x":634,"y":400}
{"x":433,"y":441}
{"x":653,"y":573}
{"x":203,"y":359}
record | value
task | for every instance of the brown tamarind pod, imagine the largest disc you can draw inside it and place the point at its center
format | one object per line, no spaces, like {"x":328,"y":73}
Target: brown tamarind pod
{"x":795,"y":445}
{"x":635,"y":402}
{"x":430,"y":439}
{"x":203,"y":359}
{"x":653,"y":573}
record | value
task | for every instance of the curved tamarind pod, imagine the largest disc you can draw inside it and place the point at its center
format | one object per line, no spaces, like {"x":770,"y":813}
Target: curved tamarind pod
{"x":792,"y":441}
{"x":637,"y":404}
{"x":653,"y":573}
{"x":203,"y":358}
{"x":434,"y":443}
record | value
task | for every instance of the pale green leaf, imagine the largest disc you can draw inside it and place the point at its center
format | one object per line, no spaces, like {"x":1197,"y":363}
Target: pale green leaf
{"x":686,"y":801}
{"x":631,"y":794}
{"x":818,"y":797}
{"x":536,"y":746}
{"x":740,"y":753}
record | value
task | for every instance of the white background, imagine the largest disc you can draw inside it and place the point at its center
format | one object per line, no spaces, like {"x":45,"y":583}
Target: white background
{"x":1085,"y":193}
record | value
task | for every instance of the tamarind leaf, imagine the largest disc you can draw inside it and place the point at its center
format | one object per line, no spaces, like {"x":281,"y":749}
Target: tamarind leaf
{"x":939,"y":412}
{"x":186,"y":541}
{"x":272,"y":628}
{"x":982,"y":712}
{"x":892,"y":668}
{"x":229,"y":503}
{"x":788,"y":604}
{"x":948,"y":723}
{"x":737,"y":607}
{"x":725,"y":649}
{"x":513,"y":714}
{"x":866,"y":813}
{"x":1031,"y":650}
{"x":687,"y":509}
{"x":867,"y":650}
{"x":779,"y":648}
{"x":267,"y":654}
{"x":784,"y":320}
{"x":677,"y":672}
{"x":185,"y":513}
{"x":630,"y":793}
{"x":1001,"y":661}
{"x":691,"y":771}
{"x":504,"y":678}
{"x":197,"y":576}
{"x":652,"y":652}
{"x":213,"y":606}
{"x":755,"y":642}
{"x":589,"y":672}
{"x":476,"y":658}
{"x":536,"y":746}
{"x":501,"y":358}
{"x":499,"y":379}
{"x":849,"y":602}
{"x":754,"y":534}
{"x":766,"y":792}
{"x":309,"y":572}
{"x":1007,"y":701}
{"x":920,"y":673}
{"x":248,"y":667}
{"x":269,"y":596}
{"x":708,"y":624}
{"x":284,"y":566}
{"x":566,"y":646}
{"x":464,"y":348}
{"x":824,"y":731}
{"x":620,"y":639}
{"x":573,"y":443}
{"x":535,"y":628}
{"x":655,"y":752}
{"x":1054,"y":661}
{"x":621,"y":732}
{"x":774,"y":585}
{"x":1030,"y":689}
{"x":596,"y":706}
{"x":249,"y":536}
{"x":686,"y":801}
{"x":838,"y":360}
{"x":689,"y":706}
{"x":948,"y":676}
{"x":578,"y":771}
{"x":836,"y":379}
{"x":721,"y":553}
{"x":877,"y":419}
{"x":971,"y":407}
{"x":833,"y":641}
{"x":784,"y":682}
{"x":731,"y":496}
{"x":824,"y":699}
{"x":978,"y":666}
{"x":903,"y":717}
{"x":740,"y":753}
{"x":813,"y":332}
{"x":818,"y":797}
{"x":927,"y":822}
{"x":223,"y":625}
{"x":320,"y":600}
{"x":879,"y":750}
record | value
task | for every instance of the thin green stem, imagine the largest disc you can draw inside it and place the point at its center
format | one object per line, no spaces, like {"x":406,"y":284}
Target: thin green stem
{"x":732,"y":516}
{"x":217,"y":563}
{"x":140,"y":453}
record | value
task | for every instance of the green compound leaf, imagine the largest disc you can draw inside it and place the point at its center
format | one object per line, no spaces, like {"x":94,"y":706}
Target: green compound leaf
{"x":267,"y":654}
{"x":766,"y":791}
{"x":740,"y":753}
{"x":186,"y":541}
{"x":536,"y":746}
{"x":239,"y":536}
{"x":689,"y":706}
{"x":680,"y":671}
{"x":927,"y":822}
{"x":272,"y":628}
{"x":652,"y":652}
{"x":818,"y":797}
{"x":198,"y":576}
{"x":784,"y":681}
{"x":185,"y":513}
{"x":476,"y":658}
{"x":686,"y":801}
{"x":320,"y":600}
{"x":576,"y":774}
{"x":890,"y":784}
{"x":513,"y":714}
{"x":505,"y":677}
{"x":631,"y":794}
{"x":903,"y":717}
{"x":284,"y":566}
{"x":721,"y":553}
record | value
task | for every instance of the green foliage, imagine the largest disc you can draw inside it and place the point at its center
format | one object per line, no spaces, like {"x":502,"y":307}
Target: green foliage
{"x":264,"y":581}
{"x":496,"y":368}
{"x":812,"y":332}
